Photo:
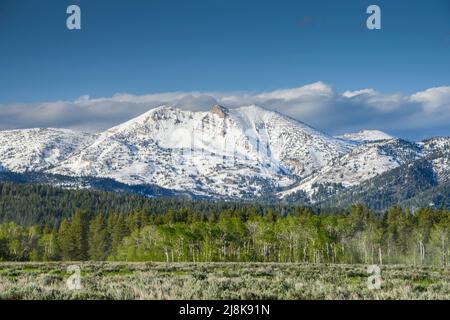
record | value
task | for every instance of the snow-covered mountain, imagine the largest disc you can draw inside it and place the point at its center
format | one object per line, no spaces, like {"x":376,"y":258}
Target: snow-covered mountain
{"x":241,"y":152}
{"x":246,"y":152}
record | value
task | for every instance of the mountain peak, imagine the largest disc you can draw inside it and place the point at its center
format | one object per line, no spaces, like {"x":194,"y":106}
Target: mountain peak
{"x":221,"y":111}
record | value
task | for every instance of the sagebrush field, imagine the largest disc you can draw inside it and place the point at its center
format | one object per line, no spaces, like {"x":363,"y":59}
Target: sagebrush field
{"x":105,"y":280}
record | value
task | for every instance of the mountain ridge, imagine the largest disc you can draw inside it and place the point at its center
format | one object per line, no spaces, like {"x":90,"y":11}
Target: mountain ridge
{"x":238,"y":153}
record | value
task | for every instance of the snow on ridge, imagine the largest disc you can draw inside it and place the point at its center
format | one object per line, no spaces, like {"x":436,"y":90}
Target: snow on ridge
{"x":38,"y":149}
{"x":366,"y":136}
{"x":363,"y":163}
{"x":437,"y":149}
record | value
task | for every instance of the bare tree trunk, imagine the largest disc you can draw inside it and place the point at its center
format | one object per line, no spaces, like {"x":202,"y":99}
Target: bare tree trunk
{"x":167,"y":254}
{"x":422,"y":251}
{"x":371,"y":254}
{"x":443,"y":251}
{"x":304,"y":254}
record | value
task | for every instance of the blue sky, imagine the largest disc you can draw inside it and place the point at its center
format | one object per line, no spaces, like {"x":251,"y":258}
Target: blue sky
{"x":148,"y":46}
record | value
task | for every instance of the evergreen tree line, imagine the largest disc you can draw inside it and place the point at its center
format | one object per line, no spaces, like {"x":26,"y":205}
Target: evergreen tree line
{"x":359,"y":235}
{"x":31,"y":204}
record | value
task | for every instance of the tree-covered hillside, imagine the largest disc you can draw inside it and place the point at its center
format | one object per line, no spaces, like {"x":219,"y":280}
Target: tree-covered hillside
{"x":29,"y":204}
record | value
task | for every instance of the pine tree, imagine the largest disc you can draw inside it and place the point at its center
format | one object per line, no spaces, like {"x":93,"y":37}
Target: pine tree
{"x":117,"y":231}
{"x":79,"y":236}
{"x":64,"y":241}
{"x":136,"y":220}
{"x":97,"y":239}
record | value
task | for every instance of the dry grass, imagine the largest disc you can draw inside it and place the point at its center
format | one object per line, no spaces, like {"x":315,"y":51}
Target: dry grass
{"x":219,"y":281}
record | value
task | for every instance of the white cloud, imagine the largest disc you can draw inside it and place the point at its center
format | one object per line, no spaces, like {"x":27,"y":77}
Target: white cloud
{"x":310,"y":91}
{"x":356,"y":93}
{"x":433,"y":98}
{"x":420,"y":115}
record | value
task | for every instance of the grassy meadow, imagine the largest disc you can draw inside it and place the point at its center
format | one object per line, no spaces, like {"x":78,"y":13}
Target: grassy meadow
{"x":116,"y":280}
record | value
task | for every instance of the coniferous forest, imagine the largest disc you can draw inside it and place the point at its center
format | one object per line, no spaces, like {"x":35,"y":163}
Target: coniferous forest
{"x":40,"y":223}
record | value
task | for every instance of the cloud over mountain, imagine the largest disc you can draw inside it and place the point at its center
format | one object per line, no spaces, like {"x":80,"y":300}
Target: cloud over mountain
{"x":415,"y":116}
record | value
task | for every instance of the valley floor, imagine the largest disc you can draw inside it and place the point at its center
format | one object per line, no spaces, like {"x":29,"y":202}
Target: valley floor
{"x":105,"y":280}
